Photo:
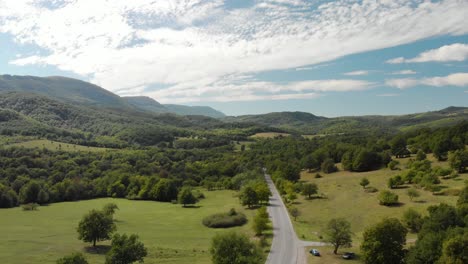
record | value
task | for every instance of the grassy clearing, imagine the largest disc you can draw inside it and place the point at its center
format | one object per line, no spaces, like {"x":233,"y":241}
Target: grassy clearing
{"x":171,"y":233}
{"x":269,"y":135}
{"x":54,"y":145}
{"x":346,"y":198}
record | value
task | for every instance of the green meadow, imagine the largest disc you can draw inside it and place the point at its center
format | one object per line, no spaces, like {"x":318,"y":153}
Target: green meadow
{"x":54,"y":145}
{"x":344,"y":197}
{"x":172,"y":234}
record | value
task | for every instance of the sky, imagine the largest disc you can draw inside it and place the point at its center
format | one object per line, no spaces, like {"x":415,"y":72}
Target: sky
{"x":330,"y":58}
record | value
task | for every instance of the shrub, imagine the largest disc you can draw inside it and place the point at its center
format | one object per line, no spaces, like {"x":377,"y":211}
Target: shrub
{"x":30,"y":206}
{"x":318,"y":176}
{"x":225,"y":220}
{"x":439,"y":171}
{"x":388,"y":198}
{"x":392,"y":165}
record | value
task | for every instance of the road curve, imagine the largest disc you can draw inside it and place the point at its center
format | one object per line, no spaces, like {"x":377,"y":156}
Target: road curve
{"x":286,"y":248}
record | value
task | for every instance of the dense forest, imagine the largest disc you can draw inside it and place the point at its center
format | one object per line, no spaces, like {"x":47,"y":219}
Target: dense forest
{"x":157,"y":173}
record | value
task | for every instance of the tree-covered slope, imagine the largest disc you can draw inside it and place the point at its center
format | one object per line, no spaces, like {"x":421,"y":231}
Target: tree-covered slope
{"x":62,"y":88}
{"x":307,"y":123}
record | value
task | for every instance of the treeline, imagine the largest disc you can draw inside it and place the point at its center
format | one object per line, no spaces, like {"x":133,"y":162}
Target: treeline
{"x":43,"y":176}
{"x":356,"y":152}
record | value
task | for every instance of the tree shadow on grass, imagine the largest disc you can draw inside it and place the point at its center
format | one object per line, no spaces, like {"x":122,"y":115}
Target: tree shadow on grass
{"x":419,"y":201}
{"x":192,"y":206}
{"x":99,"y":249}
{"x":395,"y":205}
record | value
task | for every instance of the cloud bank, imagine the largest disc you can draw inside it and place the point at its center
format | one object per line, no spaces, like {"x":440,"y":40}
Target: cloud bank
{"x":454,"y":52}
{"x":201,"y":50}
{"x":456,"y":79}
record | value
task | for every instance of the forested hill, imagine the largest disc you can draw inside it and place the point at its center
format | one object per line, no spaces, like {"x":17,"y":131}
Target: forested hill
{"x":306,"y":123}
{"x":62,"y":88}
{"x":35,"y":115}
{"x":75,"y":91}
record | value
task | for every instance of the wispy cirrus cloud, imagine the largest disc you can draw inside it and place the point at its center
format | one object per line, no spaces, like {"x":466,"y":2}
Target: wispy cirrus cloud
{"x":403,"y":72}
{"x":190,"y":45}
{"x":356,"y":73}
{"x":453,"y":52}
{"x":456,"y":79}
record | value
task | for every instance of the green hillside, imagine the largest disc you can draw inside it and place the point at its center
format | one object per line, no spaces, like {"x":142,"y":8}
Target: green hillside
{"x":62,"y":88}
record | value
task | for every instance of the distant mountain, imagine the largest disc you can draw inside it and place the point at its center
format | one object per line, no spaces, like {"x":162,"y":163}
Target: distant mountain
{"x":194,"y":110}
{"x":149,"y":104}
{"x":62,"y":88}
{"x":75,"y":91}
{"x":146,"y":103}
{"x":306,"y":123}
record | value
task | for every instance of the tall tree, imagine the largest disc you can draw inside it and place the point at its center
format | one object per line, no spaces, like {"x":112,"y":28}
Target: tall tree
{"x":338,"y":233}
{"x":260,"y":221}
{"x":234,"y":248}
{"x":248,"y":196}
{"x":384,"y":242}
{"x":186,"y":197}
{"x":95,"y":226}
{"x":309,"y":189}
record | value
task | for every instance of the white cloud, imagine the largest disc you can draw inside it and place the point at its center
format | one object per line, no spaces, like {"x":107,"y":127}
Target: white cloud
{"x":126,"y":46}
{"x":456,"y":79}
{"x":404,"y":72}
{"x":248,"y":90}
{"x":454,"y":52}
{"x":356,"y":73}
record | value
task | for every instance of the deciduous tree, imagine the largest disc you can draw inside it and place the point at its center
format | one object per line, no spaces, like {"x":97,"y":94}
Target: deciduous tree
{"x":384,"y":242}
{"x":233,"y":247}
{"x":338,"y":233}
{"x":95,"y":226}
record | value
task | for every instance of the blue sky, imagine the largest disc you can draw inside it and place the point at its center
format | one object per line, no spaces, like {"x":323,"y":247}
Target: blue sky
{"x":330,"y":58}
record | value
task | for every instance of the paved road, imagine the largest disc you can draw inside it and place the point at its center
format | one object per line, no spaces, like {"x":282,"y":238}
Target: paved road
{"x":286,"y":247}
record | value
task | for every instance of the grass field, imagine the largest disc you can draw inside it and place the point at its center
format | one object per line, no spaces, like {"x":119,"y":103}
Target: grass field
{"x":171,"y":233}
{"x":54,"y":145}
{"x":346,"y":198}
{"x":269,"y":135}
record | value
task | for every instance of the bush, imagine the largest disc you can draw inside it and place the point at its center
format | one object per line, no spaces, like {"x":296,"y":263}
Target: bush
{"x":388,"y":198}
{"x":318,"y":176}
{"x":225,"y":220}
{"x":30,"y":206}
{"x":75,"y":258}
{"x":393,"y":165}
{"x":439,"y":171}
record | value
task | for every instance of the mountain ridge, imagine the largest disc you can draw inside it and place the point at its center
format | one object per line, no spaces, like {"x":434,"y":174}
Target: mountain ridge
{"x":72,"y":90}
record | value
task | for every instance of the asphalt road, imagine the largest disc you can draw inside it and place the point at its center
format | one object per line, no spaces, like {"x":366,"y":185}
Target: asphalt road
{"x":286,"y":247}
